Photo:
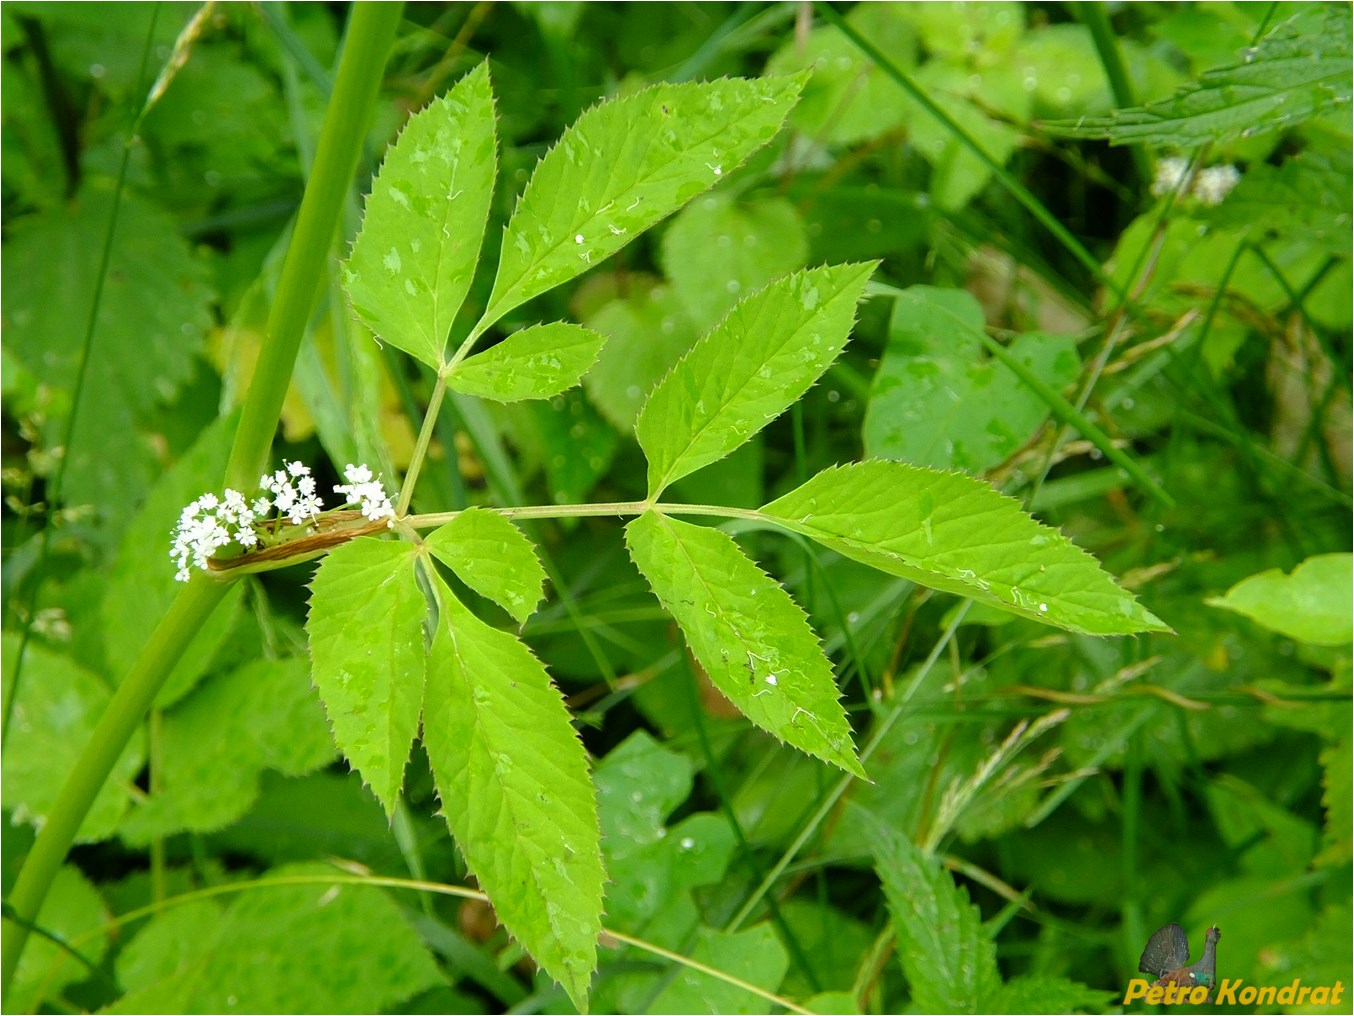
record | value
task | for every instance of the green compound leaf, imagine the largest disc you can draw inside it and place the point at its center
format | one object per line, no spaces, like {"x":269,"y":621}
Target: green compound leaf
{"x":748,"y":369}
{"x":951,"y":964}
{"x":952,"y":532}
{"x":751,"y":638}
{"x":412,"y":262}
{"x":490,"y":555}
{"x":1312,"y":605}
{"x":367,"y":656}
{"x":535,"y":363}
{"x":513,"y":779}
{"x":1298,"y":70}
{"x":623,"y":166}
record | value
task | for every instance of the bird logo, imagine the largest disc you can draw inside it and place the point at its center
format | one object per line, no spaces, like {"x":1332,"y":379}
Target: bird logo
{"x":1167,"y":954}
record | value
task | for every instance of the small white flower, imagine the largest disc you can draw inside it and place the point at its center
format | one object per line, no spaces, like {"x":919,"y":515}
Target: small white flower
{"x":1215,"y":183}
{"x":366,"y":492}
{"x":199,"y":536}
{"x":1168,"y":176}
{"x":285,"y":500}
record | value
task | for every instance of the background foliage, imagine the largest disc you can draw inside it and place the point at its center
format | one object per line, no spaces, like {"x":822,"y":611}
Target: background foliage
{"x":1077,"y":791}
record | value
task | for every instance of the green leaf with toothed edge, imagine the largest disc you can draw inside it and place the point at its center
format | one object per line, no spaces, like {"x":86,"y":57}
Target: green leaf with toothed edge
{"x":536,"y":363}
{"x":513,"y":779}
{"x":366,"y":651}
{"x":415,"y":256}
{"x":951,"y":532}
{"x":748,"y":369}
{"x":950,"y":962}
{"x":625,"y":165}
{"x":490,"y":555}
{"x":749,"y":635}
{"x":1299,"y":69}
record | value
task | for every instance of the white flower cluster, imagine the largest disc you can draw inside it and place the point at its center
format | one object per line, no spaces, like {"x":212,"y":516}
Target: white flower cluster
{"x":211,"y":523}
{"x":366,"y":492}
{"x":1210,"y":185}
{"x":296,"y":500}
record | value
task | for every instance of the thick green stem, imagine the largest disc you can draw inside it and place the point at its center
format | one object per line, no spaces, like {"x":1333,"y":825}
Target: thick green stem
{"x":115,"y":729}
{"x":371,"y":31}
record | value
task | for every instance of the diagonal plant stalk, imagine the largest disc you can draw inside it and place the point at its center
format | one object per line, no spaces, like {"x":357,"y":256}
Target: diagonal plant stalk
{"x":367,"y":43}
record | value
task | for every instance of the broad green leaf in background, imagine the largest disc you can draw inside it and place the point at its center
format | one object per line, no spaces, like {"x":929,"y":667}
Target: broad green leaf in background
{"x":535,"y":363}
{"x":987,"y":102}
{"x":748,"y":370}
{"x":849,"y":99}
{"x":717,"y":249}
{"x":564,"y":437}
{"x":967,"y":33}
{"x":287,"y":948}
{"x":156,"y":301}
{"x":639,"y":784}
{"x":750,"y":636}
{"x":72,"y":909}
{"x":490,"y":555}
{"x":623,"y":166}
{"x":366,"y":649}
{"x":214,"y":744}
{"x":1323,"y":948}
{"x":55,"y":712}
{"x":1061,"y":62}
{"x":327,"y":813}
{"x":1307,"y":197}
{"x":1298,"y":70}
{"x":648,"y":330}
{"x":513,"y":779}
{"x":938,"y":400}
{"x":754,"y":955}
{"x":951,"y":964}
{"x":653,"y":866}
{"x":954,"y":533}
{"x":839,"y":1002}
{"x":1313,"y":605}
{"x":412,"y":262}
{"x":1042,"y":993}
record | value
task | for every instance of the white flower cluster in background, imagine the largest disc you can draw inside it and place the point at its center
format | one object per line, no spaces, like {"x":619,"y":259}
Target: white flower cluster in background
{"x":1210,"y":185}
{"x":211,"y":523}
